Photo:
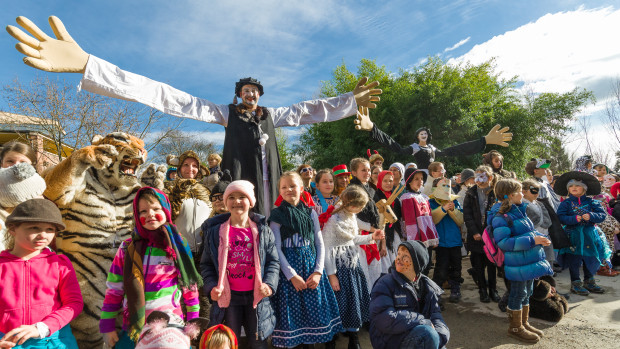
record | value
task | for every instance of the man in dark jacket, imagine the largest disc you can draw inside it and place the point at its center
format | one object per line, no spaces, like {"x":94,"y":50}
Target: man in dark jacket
{"x":404,"y":308}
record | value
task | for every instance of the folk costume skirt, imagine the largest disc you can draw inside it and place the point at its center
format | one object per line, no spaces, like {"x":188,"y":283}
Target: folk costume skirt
{"x":354,"y":295}
{"x":307,"y":316}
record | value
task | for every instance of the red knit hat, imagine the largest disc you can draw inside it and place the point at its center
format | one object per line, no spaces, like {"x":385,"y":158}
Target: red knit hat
{"x":340,"y":170}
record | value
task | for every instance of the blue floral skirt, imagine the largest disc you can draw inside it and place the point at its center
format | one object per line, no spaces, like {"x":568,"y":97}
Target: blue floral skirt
{"x":308,"y":316}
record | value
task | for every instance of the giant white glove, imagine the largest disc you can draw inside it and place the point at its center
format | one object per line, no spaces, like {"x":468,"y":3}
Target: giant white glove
{"x":366,"y":94}
{"x":60,"y":55}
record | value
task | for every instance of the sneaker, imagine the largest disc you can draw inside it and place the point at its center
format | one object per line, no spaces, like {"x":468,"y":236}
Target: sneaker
{"x":591,"y":286}
{"x":577,"y":287}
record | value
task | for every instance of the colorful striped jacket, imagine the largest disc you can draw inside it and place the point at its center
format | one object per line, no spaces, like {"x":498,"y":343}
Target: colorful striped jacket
{"x":162,"y":291}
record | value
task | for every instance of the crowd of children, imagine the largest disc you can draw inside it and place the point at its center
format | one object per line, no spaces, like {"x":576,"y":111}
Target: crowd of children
{"x":342,"y":250}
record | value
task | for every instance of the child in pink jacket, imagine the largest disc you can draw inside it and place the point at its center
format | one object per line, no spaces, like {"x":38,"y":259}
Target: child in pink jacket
{"x":39,"y":294}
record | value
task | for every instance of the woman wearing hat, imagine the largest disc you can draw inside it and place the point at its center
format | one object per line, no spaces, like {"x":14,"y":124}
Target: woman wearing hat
{"x":580,"y":213}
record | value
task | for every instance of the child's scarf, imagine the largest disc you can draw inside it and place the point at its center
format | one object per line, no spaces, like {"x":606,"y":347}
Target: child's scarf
{"x":168,"y":239}
{"x":293,"y":220}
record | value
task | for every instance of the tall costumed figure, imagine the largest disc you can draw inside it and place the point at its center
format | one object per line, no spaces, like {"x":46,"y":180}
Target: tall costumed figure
{"x":422,"y":150}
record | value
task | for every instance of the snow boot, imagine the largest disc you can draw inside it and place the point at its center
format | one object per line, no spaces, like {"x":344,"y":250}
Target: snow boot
{"x":525,"y":314}
{"x":516,"y":329}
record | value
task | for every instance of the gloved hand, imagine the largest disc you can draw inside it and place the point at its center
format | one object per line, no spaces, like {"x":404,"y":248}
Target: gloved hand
{"x":366,"y":94}
{"x":60,"y":55}
{"x":499,"y":137}
{"x":362,"y":120}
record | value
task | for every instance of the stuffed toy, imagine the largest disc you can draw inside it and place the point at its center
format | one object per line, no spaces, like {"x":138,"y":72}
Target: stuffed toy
{"x":94,"y":189}
{"x":545,"y":302}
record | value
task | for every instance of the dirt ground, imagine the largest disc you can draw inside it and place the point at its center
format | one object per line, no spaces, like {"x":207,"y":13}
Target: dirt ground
{"x":591,"y":322}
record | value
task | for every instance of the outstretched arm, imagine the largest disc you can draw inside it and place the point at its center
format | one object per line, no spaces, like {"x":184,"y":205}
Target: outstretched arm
{"x":497,"y":135}
{"x":363,"y":122}
{"x":60,"y":55}
{"x":63,"y":54}
{"x":327,"y":109}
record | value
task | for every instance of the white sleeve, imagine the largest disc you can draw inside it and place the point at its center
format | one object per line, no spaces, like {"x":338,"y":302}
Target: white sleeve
{"x":315,"y":111}
{"x":318,"y":244}
{"x":106,"y":79}
{"x":43,"y":329}
{"x":330,"y":260}
{"x":286,"y":268}
{"x":363,"y":239}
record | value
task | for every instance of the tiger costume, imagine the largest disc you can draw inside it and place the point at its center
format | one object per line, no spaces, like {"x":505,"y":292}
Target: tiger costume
{"x":94,"y":189}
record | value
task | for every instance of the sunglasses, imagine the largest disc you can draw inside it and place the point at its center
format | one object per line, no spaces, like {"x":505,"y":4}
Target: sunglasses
{"x":217,"y":197}
{"x":534,"y":190}
{"x":305,"y":169}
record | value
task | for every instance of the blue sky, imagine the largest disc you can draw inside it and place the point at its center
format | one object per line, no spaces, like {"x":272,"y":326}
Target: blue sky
{"x":204,"y":47}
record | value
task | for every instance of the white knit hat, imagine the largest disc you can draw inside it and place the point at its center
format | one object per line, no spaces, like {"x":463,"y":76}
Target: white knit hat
{"x":19,"y":183}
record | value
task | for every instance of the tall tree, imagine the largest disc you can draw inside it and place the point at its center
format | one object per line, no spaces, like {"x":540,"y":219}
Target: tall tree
{"x":459,"y":103}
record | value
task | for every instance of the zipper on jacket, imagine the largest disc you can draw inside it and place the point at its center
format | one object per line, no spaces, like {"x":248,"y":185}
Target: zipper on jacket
{"x":26,"y":290}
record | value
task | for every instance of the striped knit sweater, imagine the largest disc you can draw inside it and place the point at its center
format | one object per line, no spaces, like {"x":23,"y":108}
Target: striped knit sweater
{"x":162,"y":291}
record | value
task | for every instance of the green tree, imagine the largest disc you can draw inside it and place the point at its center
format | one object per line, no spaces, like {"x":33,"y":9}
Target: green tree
{"x":286,"y":155}
{"x":459,"y":103}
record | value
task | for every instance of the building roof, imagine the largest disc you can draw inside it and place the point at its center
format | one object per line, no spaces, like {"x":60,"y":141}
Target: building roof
{"x":18,"y":122}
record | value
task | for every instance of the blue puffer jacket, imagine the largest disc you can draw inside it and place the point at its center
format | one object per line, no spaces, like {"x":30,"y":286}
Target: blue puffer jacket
{"x":270,"y":269}
{"x":396,"y":308}
{"x":523,"y":259}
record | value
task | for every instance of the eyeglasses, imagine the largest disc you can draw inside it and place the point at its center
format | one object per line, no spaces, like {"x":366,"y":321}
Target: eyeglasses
{"x":305,"y":169}
{"x":534,"y":190}
{"x":217,"y":197}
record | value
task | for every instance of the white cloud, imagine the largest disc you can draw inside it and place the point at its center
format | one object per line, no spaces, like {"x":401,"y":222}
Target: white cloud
{"x":457,"y":45}
{"x":560,"y":52}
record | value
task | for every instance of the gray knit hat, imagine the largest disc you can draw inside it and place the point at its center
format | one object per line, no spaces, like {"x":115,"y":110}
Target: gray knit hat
{"x":19,"y":183}
{"x":467,"y":174}
{"x":36,"y":210}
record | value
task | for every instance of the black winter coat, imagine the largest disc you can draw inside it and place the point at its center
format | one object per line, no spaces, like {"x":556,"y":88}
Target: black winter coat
{"x":369,"y":214}
{"x":474,"y":221}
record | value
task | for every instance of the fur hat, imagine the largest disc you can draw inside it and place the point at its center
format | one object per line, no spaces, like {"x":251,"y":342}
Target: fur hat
{"x":242,"y":186}
{"x":19,"y":183}
{"x":372,"y":157}
{"x":36,"y":210}
{"x":592,"y":184}
{"x":202,"y":169}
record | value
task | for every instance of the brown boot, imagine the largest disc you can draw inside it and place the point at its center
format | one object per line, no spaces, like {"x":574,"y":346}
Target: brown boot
{"x":525,"y":315}
{"x":517,"y":330}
